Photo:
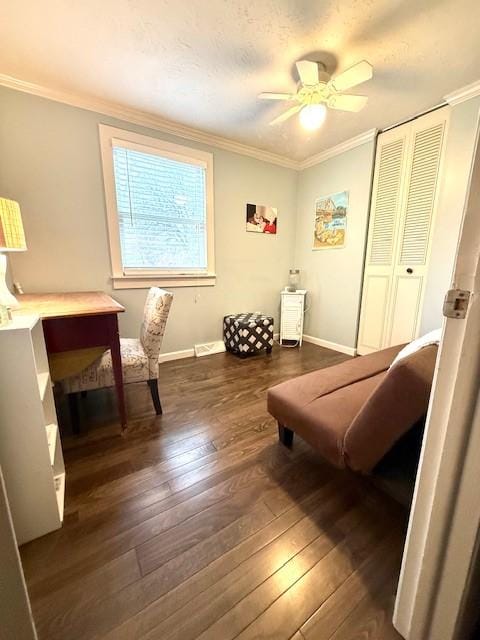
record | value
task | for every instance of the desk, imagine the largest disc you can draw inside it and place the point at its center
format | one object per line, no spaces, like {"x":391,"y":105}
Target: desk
{"x":79,"y":320}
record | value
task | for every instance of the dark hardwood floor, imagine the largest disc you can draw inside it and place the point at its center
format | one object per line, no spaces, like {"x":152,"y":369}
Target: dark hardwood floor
{"x":199,"y":524}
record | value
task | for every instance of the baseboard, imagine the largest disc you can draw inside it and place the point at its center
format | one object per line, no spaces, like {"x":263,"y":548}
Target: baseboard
{"x":176,"y":355}
{"x":350,"y":351}
{"x":218,"y":347}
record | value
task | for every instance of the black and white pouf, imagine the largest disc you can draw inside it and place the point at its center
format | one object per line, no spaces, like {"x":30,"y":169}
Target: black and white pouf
{"x":248,"y":333}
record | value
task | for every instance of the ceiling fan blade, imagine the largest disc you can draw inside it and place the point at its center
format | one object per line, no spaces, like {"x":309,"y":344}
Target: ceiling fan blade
{"x":347,"y":102}
{"x":360,"y":72}
{"x":287,"y":114}
{"x":308,"y":72}
{"x":276,"y":96}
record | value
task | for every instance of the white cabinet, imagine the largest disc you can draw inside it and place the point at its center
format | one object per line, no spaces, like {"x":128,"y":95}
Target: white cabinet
{"x":402,"y":215}
{"x":30,"y":449}
{"x":291,"y":315}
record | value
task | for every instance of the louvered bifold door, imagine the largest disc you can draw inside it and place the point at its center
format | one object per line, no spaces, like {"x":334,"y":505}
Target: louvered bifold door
{"x":383,"y":230}
{"x":413,"y":244}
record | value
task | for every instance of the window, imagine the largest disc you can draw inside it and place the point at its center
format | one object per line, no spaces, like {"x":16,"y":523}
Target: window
{"x":159,"y":199}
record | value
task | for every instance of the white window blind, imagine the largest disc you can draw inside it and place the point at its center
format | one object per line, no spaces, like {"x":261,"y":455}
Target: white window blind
{"x":162,"y":211}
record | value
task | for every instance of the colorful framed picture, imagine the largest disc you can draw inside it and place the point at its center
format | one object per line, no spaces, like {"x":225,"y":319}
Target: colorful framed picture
{"x":330,"y":221}
{"x":261,"y":219}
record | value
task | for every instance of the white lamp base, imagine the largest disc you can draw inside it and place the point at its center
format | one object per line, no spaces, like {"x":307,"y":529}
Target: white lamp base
{"x":6,"y":298}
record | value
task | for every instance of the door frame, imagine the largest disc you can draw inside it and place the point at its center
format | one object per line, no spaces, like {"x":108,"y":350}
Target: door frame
{"x":445,"y":515}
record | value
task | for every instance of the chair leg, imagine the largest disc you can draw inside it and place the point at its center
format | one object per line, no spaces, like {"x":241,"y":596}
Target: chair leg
{"x":74,"y":415}
{"x":153,"y":384}
{"x":285,"y":435}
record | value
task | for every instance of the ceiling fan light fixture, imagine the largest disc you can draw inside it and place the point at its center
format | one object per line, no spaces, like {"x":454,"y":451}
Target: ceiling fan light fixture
{"x":318,"y":91}
{"x":312,"y":116}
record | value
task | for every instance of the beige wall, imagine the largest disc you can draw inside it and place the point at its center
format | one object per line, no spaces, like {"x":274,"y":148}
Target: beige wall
{"x":54,"y":170}
{"x":333,"y":277}
{"x":452,"y":197}
{"x":51,"y":165}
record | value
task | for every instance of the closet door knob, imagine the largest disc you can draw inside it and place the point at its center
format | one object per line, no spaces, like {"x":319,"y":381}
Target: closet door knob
{"x":409,"y":270}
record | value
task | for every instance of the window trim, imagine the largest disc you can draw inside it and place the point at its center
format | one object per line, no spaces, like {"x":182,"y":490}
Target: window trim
{"x":145,"y":278}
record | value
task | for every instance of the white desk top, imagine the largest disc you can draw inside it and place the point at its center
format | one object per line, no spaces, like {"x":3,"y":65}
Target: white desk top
{"x":21,"y":322}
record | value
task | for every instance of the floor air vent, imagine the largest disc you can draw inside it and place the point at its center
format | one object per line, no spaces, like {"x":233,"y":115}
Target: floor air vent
{"x":209,"y":348}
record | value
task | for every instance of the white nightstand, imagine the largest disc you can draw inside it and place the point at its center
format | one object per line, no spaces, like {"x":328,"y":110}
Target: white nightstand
{"x":291,"y":315}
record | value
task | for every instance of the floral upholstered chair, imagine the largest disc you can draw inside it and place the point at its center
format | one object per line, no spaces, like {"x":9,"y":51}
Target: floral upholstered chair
{"x":139,"y":356}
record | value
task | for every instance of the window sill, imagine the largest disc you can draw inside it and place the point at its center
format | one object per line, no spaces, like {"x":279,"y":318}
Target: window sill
{"x":147,"y":281}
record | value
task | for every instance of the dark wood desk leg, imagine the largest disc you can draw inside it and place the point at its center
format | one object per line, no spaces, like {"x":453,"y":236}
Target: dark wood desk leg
{"x":117,"y":367}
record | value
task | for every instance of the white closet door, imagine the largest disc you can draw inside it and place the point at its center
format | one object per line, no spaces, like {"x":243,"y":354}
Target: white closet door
{"x":415,"y":229}
{"x":402,"y":212}
{"x":384,"y":220}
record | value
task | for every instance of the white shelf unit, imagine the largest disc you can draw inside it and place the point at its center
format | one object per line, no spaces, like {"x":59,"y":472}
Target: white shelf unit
{"x":30,"y":449}
{"x":291,"y":315}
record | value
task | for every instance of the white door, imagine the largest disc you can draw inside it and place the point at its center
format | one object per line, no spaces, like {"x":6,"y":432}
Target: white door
{"x":384,"y":220}
{"x":405,"y":190}
{"x":443,"y":531}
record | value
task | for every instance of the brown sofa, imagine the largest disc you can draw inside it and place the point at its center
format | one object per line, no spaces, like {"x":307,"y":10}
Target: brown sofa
{"x":354,"y":412}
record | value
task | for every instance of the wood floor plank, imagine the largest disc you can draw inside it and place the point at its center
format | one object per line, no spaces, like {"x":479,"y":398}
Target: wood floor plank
{"x":137,"y":482}
{"x":203,"y":611}
{"x":175,"y":540}
{"x":139,"y":456}
{"x":198,"y":524}
{"x":95,"y":548}
{"x":371,"y":618}
{"x":291,"y":603}
{"x":79,"y":595}
{"x":233,"y":436}
{"x":303,"y":477}
{"x":103,"y":544}
{"x":111,"y":611}
{"x":163,"y":607}
{"x":266,"y":609}
{"x":151,"y":504}
{"x":370,"y":576}
{"x":145,"y":491}
{"x":245,"y":490}
{"x":232,"y":457}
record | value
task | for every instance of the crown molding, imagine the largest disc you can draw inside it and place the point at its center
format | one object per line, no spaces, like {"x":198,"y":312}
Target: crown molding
{"x":142,"y":118}
{"x":151,"y":121}
{"x":465,"y":93}
{"x":367,"y":136}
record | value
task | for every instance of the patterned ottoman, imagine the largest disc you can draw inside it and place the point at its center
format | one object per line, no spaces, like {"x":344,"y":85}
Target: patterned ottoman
{"x":248,"y":333}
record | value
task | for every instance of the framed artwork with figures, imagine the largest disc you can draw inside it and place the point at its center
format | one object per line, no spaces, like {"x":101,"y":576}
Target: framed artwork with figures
{"x":261,"y":219}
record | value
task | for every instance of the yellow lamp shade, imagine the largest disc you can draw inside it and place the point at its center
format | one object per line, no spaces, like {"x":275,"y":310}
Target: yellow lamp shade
{"x":12,"y":236}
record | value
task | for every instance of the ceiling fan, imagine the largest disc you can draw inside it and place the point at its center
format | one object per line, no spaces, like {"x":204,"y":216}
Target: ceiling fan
{"x":318,"y":90}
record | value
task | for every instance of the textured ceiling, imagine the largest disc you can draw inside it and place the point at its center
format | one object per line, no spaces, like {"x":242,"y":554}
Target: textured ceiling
{"x":203,"y":62}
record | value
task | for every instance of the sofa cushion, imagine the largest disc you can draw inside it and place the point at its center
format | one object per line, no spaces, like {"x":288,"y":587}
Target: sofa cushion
{"x":320,"y":406}
{"x":324,"y":421}
{"x":397,"y":403}
{"x":285,"y":398}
